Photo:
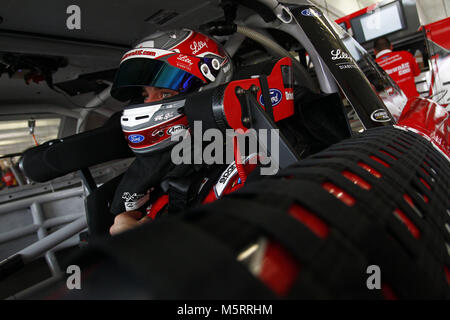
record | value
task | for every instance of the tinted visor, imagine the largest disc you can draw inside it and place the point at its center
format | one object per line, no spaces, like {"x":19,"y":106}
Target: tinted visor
{"x":137,"y":72}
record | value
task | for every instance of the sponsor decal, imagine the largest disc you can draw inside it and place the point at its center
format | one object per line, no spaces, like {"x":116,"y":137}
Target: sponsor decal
{"x":340,"y":55}
{"x":196,"y":46}
{"x":289,"y":95}
{"x":401,"y":69}
{"x":139,"y":53}
{"x":389,"y":61}
{"x":380,"y":115}
{"x":158,"y":132}
{"x":228,"y":173}
{"x":134,"y":201}
{"x":128,"y":196}
{"x":310,"y":13}
{"x":185,"y":59}
{"x":164,"y":116}
{"x":346,"y":66}
{"x":224,"y":179}
{"x":135,"y":138}
{"x":184,"y":62}
{"x":275,"y":97}
{"x":175,"y":129}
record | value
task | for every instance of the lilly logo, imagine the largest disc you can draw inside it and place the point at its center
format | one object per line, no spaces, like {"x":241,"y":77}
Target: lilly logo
{"x":340,"y":55}
{"x":196,"y":46}
{"x":275,"y":97}
{"x":136,"y":138}
{"x":185,"y":59}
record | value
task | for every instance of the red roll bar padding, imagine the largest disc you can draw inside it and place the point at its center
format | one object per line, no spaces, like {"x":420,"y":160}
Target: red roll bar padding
{"x":282,"y":97}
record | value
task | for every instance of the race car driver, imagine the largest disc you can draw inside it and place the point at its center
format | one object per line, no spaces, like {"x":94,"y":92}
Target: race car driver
{"x":165,"y":65}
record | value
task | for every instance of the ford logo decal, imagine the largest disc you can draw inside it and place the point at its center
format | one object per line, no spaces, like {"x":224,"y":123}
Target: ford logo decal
{"x":275,"y":97}
{"x":136,"y":138}
{"x":309,"y":13}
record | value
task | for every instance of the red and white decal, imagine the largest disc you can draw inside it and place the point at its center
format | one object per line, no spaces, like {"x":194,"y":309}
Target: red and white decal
{"x":198,"y":44}
{"x":155,"y":134}
{"x":231,"y":175}
{"x":145,"y":53}
{"x":187,"y":63}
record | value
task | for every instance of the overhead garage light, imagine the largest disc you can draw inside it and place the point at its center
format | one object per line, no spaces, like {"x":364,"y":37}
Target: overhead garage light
{"x":18,"y":124}
{"x":15,"y":135}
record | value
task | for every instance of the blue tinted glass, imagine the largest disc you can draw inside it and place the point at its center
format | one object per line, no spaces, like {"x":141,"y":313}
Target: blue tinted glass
{"x":168,"y":77}
{"x":138,"y":72}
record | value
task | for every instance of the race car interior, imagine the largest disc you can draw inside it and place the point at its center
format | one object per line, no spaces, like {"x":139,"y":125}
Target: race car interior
{"x":361,"y":178}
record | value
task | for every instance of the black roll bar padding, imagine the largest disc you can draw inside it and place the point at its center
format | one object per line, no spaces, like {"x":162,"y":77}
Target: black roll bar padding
{"x":206,"y":106}
{"x":62,"y":156}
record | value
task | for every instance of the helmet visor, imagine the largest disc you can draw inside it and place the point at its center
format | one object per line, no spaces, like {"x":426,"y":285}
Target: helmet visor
{"x":135,"y":73}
